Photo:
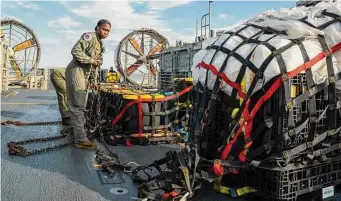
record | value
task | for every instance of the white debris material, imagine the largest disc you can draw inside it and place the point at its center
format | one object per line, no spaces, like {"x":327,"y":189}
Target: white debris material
{"x":306,"y":23}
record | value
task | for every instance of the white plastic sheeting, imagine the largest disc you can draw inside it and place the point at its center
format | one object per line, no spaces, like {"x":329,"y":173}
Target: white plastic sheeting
{"x":286,"y":20}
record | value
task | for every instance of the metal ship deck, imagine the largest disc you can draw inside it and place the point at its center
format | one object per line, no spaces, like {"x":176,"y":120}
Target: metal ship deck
{"x":67,"y":173}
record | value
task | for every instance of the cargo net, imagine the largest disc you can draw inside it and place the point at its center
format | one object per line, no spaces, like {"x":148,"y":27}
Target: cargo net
{"x":265,"y":96}
{"x":129,"y":117}
{"x":267,"y":91}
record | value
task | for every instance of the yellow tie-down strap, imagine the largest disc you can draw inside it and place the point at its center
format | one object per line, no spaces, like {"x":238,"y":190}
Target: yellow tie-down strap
{"x":187,"y":79}
{"x":145,"y":96}
{"x":127,"y":91}
{"x":227,"y":190}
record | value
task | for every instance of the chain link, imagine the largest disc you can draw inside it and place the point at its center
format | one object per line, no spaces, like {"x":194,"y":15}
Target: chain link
{"x":20,"y":123}
{"x":15,"y":148}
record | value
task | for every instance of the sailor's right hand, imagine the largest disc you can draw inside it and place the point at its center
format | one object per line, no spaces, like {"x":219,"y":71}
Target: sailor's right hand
{"x":94,"y":63}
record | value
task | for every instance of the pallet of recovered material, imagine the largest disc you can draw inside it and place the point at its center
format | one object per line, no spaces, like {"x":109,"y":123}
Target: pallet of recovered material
{"x":137,"y":117}
{"x":267,"y":100}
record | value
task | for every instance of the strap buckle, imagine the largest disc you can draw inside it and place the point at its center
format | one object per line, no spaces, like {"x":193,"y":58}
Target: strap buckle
{"x":309,"y":144}
{"x":326,"y":144}
{"x":285,"y":77}
{"x":254,"y":164}
{"x":204,"y":175}
{"x":267,"y":146}
{"x":259,"y":74}
{"x":296,"y":41}
{"x":217,"y":161}
{"x":269,"y":122}
{"x":331,"y":132}
{"x":327,"y":52}
{"x":291,"y":132}
{"x":324,"y":158}
{"x":313,"y":119}
{"x":290,"y":104}
{"x":332,"y":79}
{"x":275,"y":52}
{"x":214,"y":96}
{"x":310,"y":156}
{"x":312,"y":91}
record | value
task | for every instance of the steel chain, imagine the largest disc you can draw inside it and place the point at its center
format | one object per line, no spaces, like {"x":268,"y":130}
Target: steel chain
{"x":99,"y":121}
{"x":15,"y":148}
{"x":95,"y":123}
{"x":20,"y":123}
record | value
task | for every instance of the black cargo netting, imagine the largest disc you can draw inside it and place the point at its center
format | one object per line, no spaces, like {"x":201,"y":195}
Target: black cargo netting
{"x":299,"y":122}
{"x":129,"y":116}
{"x":285,"y":123}
{"x":287,"y":131}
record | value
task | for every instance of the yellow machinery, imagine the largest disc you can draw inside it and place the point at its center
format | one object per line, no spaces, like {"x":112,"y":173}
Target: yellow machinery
{"x":112,"y":77}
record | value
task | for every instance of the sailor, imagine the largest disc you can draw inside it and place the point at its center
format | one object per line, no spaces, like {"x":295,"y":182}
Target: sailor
{"x":87,"y":56}
{"x":58,"y":80}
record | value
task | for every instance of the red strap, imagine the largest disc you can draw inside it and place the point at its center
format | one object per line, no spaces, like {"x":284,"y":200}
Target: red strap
{"x":186,"y":90}
{"x":223,"y":76}
{"x":242,"y":157}
{"x":248,"y":119}
{"x":171,"y":194}
{"x":174,"y":194}
{"x":128,"y":143}
{"x":218,"y":169}
{"x":140,"y":114}
{"x":228,"y":147}
{"x":269,"y":94}
{"x":291,"y":74}
{"x":119,"y":116}
{"x":165,"y":195}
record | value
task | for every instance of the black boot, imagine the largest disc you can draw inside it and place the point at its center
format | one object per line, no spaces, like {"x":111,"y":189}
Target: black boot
{"x":66,"y":121}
